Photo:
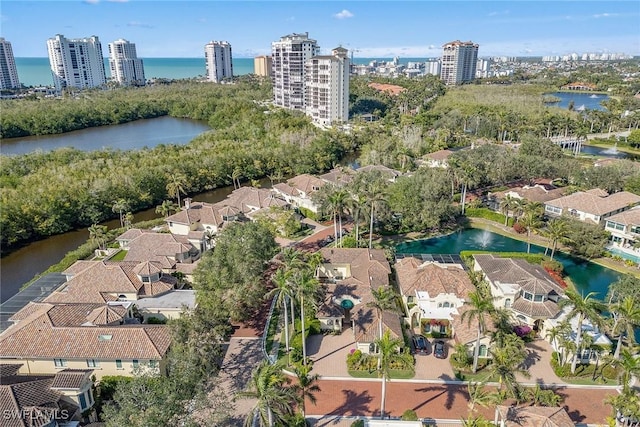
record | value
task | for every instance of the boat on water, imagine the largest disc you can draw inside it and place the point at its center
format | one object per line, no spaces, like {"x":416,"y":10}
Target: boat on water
{"x":594,"y":96}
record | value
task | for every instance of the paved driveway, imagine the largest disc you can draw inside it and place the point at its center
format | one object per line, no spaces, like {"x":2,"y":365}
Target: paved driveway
{"x":329,"y":353}
{"x":538,"y":364}
{"x":429,"y":367}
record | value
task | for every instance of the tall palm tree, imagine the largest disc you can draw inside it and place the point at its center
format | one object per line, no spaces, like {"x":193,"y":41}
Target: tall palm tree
{"x":478,"y":395}
{"x":626,"y":317}
{"x":128,"y":220}
{"x":518,"y":208}
{"x":531,"y":219}
{"x":556,"y":232}
{"x":337,"y":200}
{"x":166,"y":208}
{"x":389,"y":357}
{"x":120,"y":206}
{"x":554,"y":334}
{"x":305,"y":286}
{"x":307,"y":385}
{"x":626,"y":407}
{"x":283,"y":292}
{"x":274,"y":400}
{"x":505,"y":365}
{"x":583,"y":308}
{"x":98,"y":235}
{"x":479,"y":307}
{"x":355,"y":203}
{"x":176,"y":183}
{"x":375,"y":196}
{"x":384,"y":299}
{"x":506,"y":205}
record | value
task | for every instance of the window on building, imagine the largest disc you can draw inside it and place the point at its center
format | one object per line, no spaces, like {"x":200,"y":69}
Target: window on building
{"x":410,"y":299}
{"x":83,"y":401}
{"x":92,"y":363}
{"x":118,"y":364}
{"x":153,"y":364}
{"x":528,"y":296}
{"x":136,"y":363}
{"x":446,"y":304}
{"x":483,"y":351}
{"x":60,"y":363}
{"x":507,"y":303}
{"x":538,"y":298}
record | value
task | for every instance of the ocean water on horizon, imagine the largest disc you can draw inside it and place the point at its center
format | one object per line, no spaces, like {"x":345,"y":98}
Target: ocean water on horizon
{"x":36,"y":71}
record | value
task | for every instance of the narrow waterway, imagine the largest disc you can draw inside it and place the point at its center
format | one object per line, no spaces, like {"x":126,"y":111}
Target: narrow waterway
{"x":127,"y":136}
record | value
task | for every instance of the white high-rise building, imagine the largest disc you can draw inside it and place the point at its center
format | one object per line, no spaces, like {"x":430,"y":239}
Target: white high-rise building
{"x":218,"y":61}
{"x":459,"y":60}
{"x":432,"y":68}
{"x":76,"y":62}
{"x":126,"y":68}
{"x":8,"y":70}
{"x":289,"y":56}
{"x":327,"y":87}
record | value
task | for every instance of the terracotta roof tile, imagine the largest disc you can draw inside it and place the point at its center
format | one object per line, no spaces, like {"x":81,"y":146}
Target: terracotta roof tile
{"x":71,"y":378}
{"x":198,"y":213}
{"x":595,"y":202}
{"x":433,"y":278}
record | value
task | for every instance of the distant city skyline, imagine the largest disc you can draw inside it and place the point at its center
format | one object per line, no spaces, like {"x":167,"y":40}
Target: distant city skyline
{"x":372,"y":29}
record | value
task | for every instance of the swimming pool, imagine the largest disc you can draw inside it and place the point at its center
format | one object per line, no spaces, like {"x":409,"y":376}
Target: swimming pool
{"x":624,"y":255}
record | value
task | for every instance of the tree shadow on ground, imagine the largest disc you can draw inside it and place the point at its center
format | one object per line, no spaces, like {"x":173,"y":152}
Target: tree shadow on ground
{"x":354,"y":404}
{"x":237,"y":367}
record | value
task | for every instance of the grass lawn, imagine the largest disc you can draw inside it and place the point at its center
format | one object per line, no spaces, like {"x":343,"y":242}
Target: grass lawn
{"x":119,"y":256}
{"x":394,"y":373}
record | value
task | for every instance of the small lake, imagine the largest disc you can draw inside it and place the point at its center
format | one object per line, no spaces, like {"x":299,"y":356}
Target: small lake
{"x":587,"y":276}
{"x":127,"y":136}
{"x":590,"y":101}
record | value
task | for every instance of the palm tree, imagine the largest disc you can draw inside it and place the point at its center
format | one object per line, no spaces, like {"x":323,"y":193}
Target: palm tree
{"x":283,"y":292}
{"x":128,"y":220}
{"x":336,"y":202}
{"x":120,"y":206}
{"x":384,"y":299}
{"x":629,"y":365}
{"x":563,"y":329}
{"x":626,"y":317}
{"x":626,"y":407}
{"x":479,"y":396}
{"x":98,"y":235}
{"x":531,"y":219}
{"x":354,"y":204}
{"x":479,"y":307}
{"x":375,"y":196}
{"x":306,"y":385}
{"x":305,"y":286}
{"x":505,"y":365}
{"x":582,"y":308}
{"x":518,"y":208}
{"x":506,"y":205}
{"x":388,"y":355}
{"x":556,"y":232}
{"x":176,"y":185}
{"x":274,"y":400}
{"x":166,"y":208}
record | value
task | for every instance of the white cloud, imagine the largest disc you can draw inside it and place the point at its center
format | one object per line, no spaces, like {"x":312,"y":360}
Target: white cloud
{"x":118,"y":1}
{"x":605,"y":15}
{"x":91,"y":1}
{"x":497,"y":13}
{"x":344,"y":14}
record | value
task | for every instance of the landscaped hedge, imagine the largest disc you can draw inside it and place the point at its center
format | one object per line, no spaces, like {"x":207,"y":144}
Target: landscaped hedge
{"x":487,"y":214}
{"x":467,"y":256}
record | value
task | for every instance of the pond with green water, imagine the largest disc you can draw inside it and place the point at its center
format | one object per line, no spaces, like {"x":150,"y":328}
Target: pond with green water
{"x":587,"y":276}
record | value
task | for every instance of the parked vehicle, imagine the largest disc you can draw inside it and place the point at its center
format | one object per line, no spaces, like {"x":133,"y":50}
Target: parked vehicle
{"x":440,"y":349}
{"x":420,"y":344}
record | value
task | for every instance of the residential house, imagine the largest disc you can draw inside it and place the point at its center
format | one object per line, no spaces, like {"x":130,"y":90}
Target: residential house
{"x":438,"y":159}
{"x":170,"y":252}
{"x":593,"y":206}
{"x":432,"y":293}
{"x":538,"y":192}
{"x":624,"y":228}
{"x":28,"y":400}
{"x":298,"y":191}
{"x":166,"y":306}
{"x":532,"y":416}
{"x":196,"y":220}
{"x":579,"y":86}
{"x":350,"y":276}
{"x":49,"y":337}
{"x":104,"y":281}
{"x":526,"y":289}
{"x":339,"y":176}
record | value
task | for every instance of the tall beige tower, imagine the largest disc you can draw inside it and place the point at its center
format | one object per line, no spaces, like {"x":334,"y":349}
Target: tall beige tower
{"x":459,"y":60}
{"x":262,"y":66}
{"x":327,"y":87}
{"x":289,"y":56}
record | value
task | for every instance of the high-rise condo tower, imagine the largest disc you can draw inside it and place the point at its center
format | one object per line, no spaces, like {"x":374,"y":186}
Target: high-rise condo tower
{"x":8,"y":70}
{"x":219,"y":65}
{"x":459,"y":61}
{"x":126,"y":68}
{"x":76,"y":63}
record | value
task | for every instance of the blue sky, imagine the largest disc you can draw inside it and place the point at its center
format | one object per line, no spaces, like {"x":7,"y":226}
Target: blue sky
{"x":371,"y":28}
